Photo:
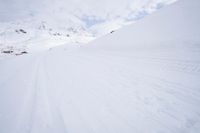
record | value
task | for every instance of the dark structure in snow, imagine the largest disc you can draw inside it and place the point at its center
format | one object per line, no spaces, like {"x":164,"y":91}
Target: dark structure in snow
{"x":112,"y":31}
{"x":7,"y":51}
{"x":23,"y":31}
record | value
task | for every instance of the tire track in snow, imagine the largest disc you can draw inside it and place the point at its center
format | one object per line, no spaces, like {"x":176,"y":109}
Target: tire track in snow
{"x":46,"y":86}
{"x":161,"y":86}
{"x":27,"y":112}
{"x":38,"y":113}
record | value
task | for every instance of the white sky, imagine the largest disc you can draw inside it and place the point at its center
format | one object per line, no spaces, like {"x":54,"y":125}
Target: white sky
{"x":87,"y":13}
{"x":99,"y":9}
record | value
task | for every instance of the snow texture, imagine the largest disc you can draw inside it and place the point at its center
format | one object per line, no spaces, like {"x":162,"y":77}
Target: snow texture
{"x":143,"y":78}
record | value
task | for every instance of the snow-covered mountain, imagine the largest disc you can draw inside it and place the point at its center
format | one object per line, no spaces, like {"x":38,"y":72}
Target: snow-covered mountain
{"x":143,"y":78}
{"x":50,"y":23}
{"x":33,"y":34}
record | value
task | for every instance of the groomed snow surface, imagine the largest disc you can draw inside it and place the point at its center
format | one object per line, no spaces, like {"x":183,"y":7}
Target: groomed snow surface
{"x":141,"y":79}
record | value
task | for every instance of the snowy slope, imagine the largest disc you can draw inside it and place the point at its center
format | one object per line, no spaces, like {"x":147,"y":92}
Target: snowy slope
{"x":140,"y":79}
{"x":176,"y":25}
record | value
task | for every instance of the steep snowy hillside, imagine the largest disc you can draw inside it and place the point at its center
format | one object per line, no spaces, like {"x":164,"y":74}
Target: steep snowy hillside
{"x":175,"y":26}
{"x":141,"y":79}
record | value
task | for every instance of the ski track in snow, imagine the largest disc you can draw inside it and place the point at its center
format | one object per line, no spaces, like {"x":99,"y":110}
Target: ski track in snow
{"x":101,"y":92}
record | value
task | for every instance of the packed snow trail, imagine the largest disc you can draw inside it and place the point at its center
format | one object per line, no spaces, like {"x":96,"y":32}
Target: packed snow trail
{"x":101,"y":92}
{"x":117,"y":84}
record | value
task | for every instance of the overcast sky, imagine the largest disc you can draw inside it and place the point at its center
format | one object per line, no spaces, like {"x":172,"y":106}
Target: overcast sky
{"x":93,"y":9}
{"x":95,"y":15}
